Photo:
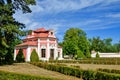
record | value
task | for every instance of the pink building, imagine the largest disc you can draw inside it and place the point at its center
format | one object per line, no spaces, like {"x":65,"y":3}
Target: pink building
{"x":44,"y":42}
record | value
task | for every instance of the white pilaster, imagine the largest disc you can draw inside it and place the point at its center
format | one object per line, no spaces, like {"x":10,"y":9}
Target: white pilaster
{"x":48,"y":50}
{"x":14,"y":54}
{"x":28,"y":55}
{"x":56,"y":51}
{"x":61,"y":55}
{"x":39,"y":53}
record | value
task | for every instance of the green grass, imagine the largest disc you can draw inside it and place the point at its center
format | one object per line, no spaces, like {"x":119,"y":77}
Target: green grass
{"x":4,"y":75}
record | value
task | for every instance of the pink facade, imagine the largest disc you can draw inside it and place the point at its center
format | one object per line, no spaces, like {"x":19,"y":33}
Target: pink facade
{"x":44,"y":42}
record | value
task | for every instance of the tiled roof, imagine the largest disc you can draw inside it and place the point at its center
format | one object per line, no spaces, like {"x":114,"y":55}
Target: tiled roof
{"x":27,"y":44}
{"x":41,"y":35}
{"x":40,"y":30}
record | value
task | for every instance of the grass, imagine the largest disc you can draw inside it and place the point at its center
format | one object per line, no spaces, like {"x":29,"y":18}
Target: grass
{"x":26,"y":68}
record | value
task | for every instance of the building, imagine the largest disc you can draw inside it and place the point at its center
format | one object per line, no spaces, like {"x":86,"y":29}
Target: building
{"x":44,"y":42}
{"x":105,"y":55}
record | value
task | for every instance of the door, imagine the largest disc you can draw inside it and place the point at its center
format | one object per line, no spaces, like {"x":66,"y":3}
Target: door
{"x":51,"y":54}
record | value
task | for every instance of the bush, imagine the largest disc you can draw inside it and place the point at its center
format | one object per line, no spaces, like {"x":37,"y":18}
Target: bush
{"x":107,"y":76}
{"x":111,"y":61}
{"x":89,"y":75}
{"x":84,"y":74}
{"x":109,"y":70}
{"x":20,"y":56}
{"x":34,"y":56}
{"x":97,"y":55}
{"x":4,"y":75}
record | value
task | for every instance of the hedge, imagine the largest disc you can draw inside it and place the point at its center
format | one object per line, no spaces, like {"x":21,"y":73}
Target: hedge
{"x":109,"y":70}
{"x":84,"y":74}
{"x":4,"y":75}
{"x":107,"y":76}
{"x":107,"y":61}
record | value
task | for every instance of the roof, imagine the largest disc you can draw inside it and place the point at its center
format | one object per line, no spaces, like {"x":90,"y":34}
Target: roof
{"x":41,"y":30}
{"x":27,"y":44}
{"x":41,"y":35}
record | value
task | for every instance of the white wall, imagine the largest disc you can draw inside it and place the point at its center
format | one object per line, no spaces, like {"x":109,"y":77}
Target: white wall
{"x":106,"y":55}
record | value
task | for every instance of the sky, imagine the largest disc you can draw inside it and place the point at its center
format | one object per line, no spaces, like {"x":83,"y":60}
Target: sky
{"x":95,"y":17}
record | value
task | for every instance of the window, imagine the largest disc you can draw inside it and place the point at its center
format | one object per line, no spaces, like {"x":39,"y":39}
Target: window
{"x":51,"y":33}
{"x":58,"y":54}
{"x":43,"y":51}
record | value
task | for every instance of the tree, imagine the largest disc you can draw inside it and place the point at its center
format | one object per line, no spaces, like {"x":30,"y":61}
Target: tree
{"x":117,"y":46}
{"x":34,"y":56}
{"x":96,"y":44}
{"x":10,"y":29}
{"x":75,"y":42}
{"x":20,"y":56}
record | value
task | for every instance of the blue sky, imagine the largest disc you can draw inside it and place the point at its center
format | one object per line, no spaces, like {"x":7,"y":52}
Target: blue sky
{"x":95,"y":17}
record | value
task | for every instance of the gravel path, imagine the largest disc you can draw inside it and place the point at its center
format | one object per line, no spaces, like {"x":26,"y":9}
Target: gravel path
{"x":94,"y":66}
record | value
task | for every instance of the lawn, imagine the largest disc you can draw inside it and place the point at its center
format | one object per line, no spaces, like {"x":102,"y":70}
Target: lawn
{"x":27,"y":68}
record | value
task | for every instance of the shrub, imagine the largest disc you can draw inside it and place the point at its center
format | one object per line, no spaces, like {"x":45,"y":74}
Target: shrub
{"x":89,"y":75}
{"x":34,"y":56}
{"x":97,"y":55}
{"x":20,"y":56}
{"x":109,"y":70}
{"x":4,"y":75}
{"x":107,"y":76}
{"x":84,"y":74}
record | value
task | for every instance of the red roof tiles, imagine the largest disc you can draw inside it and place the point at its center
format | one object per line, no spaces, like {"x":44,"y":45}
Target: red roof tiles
{"x":28,"y":43}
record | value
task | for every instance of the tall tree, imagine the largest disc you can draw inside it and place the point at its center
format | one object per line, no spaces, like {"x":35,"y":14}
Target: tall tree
{"x":10,"y":29}
{"x":96,"y":44}
{"x":75,"y":41}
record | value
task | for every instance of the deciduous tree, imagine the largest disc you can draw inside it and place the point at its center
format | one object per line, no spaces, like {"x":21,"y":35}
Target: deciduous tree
{"x":75,"y":42}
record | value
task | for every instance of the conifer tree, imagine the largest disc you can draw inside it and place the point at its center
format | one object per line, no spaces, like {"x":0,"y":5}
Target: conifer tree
{"x":34,"y":56}
{"x":10,"y":29}
{"x":20,"y":56}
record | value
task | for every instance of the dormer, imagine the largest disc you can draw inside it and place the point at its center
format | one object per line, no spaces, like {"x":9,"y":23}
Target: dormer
{"x":51,"y":33}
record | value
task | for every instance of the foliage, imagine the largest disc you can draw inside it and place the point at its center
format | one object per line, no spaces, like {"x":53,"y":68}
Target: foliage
{"x":80,"y":55}
{"x":109,"y":70}
{"x":104,"y":45}
{"x":74,"y":40}
{"x":4,"y":75}
{"x":97,"y":55}
{"x":20,"y":56}
{"x":105,"y":61}
{"x":8,"y":58}
{"x":34,"y":56}
{"x":107,"y":76}
{"x":117,"y":46}
{"x":84,"y":74}
{"x":96,"y":44}
{"x":10,"y":29}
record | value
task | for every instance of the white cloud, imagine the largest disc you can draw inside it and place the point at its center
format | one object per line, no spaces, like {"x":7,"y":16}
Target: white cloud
{"x":114,"y":15}
{"x":45,"y":7}
{"x":56,"y":6}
